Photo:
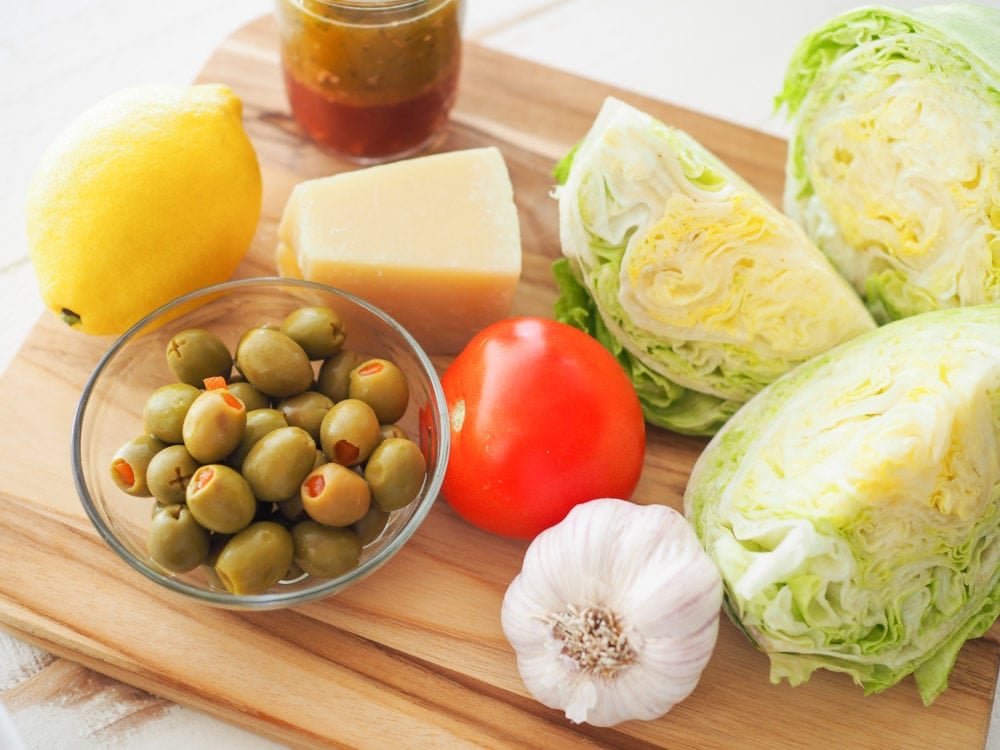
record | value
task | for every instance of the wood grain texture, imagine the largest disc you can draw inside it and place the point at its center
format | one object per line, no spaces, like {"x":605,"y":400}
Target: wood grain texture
{"x":414,"y":656}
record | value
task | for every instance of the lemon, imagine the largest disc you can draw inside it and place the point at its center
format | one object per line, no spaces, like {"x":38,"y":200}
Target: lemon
{"x":149,"y":194}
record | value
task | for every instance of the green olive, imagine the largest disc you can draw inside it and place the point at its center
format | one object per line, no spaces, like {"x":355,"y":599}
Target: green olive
{"x":323,"y":551}
{"x":259,"y":423}
{"x":196,"y":354}
{"x":175,"y":540}
{"x":278,"y":462}
{"x":318,"y":330}
{"x":382,"y":385}
{"x":292,"y":509}
{"x":168,"y":474}
{"x":335,"y":495}
{"x":256,"y":558}
{"x":216,"y":543}
{"x":334,"y":378}
{"x":371,"y":525}
{"x":220,"y":499}
{"x":214,"y":425}
{"x":349,"y":432}
{"x":306,"y":410}
{"x":129,"y":465}
{"x":250,"y":396}
{"x":392,"y":431}
{"x":164,"y":412}
{"x":395,"y":473}
{"x":273,"y":363}
{"x":294,"y":572}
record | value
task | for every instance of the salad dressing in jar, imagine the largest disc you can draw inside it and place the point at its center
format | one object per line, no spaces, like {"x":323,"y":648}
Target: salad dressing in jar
{"x":371,"y":80}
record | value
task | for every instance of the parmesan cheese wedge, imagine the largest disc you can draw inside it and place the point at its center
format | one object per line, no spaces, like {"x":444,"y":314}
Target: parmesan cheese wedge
{"x":433,"y":241}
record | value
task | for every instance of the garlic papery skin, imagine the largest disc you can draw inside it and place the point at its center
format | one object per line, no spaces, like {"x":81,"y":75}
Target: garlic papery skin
{"x":615,"y":612}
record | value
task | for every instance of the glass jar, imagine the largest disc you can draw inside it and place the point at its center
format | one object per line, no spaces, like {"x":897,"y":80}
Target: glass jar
{"x":371,"y":80}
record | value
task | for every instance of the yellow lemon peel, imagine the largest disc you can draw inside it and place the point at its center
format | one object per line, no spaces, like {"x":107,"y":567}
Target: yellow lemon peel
{"x":151,"y":193}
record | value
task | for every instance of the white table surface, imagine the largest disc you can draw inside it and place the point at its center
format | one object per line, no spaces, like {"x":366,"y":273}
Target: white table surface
{"x":722,"y":57}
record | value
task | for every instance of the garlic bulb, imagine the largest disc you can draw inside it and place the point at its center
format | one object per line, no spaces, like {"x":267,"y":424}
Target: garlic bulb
{"x":615,"y":612}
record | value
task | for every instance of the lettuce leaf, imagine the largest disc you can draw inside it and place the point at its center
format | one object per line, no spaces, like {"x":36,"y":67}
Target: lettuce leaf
{"x":893,"y":164}
{"x":703,"y":290}
{"x":853,"y":506}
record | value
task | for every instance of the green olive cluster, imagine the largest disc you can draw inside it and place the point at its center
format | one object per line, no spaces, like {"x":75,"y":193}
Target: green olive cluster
{"x":289,"y":468}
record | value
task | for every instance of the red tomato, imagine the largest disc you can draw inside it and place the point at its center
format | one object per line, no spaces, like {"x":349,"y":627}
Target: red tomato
{"x":542,"y":418}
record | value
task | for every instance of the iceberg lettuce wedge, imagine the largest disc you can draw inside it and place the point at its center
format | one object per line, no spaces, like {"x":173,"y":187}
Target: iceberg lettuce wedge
{"x":853,"y":506}
{"x":894,"y":158}
{"x":703,"y":290}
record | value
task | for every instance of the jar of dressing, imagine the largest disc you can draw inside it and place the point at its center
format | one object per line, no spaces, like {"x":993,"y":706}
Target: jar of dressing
{"x":371,"y":80}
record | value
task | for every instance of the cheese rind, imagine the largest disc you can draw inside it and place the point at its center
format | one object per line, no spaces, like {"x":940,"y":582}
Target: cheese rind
{"x":433,"y":241}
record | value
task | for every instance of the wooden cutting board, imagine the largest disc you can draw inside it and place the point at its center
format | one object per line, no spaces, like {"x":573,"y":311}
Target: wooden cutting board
{"x":414,"y":656}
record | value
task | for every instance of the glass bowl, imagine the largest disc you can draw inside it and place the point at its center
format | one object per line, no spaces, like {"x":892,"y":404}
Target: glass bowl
{"x":110,"y":414}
